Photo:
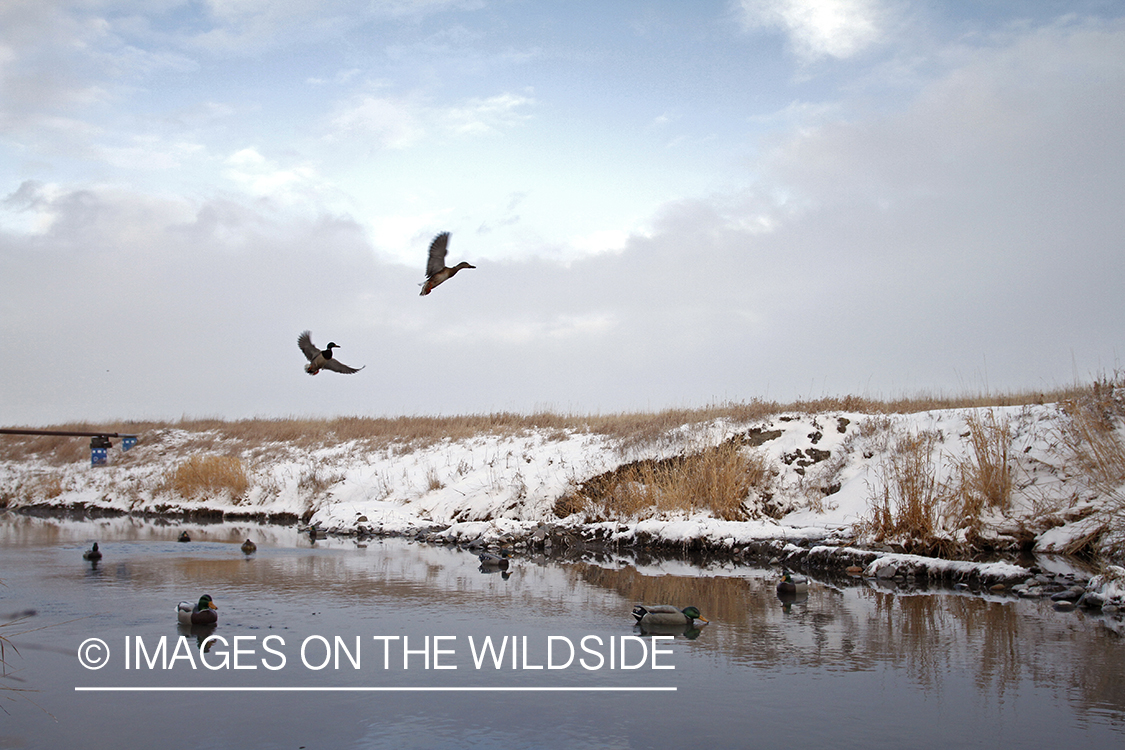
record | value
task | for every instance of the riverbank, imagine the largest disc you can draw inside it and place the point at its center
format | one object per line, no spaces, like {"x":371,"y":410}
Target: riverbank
{"x":960,"y":482}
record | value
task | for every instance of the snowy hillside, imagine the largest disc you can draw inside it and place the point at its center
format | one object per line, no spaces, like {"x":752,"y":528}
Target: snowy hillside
{"x":997,"y":478}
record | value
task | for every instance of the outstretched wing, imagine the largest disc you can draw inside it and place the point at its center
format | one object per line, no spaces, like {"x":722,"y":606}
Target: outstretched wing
{"x":337,"y":366}
{"x":305,"y":342}
{"x":438,"y":248}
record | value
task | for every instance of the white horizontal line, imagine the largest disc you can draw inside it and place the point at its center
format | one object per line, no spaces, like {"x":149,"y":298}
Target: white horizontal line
{"x":227,"y":689}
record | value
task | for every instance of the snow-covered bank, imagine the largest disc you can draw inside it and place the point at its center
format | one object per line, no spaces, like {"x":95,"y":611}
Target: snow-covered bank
{"x":826,"y":475}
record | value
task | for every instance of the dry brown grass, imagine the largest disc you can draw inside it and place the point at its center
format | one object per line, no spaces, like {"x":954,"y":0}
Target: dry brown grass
{"x":433,"y":481}
{"x":1092,"y":439}
{"x":629,"y":429}
{"x":910,"y":502}
{"x":1091,"y":434}
{"x":716,"y":479}
{"x":907,"y":502}
{"x":210,"y":475}
{"x":986,"y":477}
{"x":316,"y":478}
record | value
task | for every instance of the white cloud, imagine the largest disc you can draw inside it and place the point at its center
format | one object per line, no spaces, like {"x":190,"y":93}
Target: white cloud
{"x":394,"y":122}
{"x":530,"y":329}
{"x":487,"y":116}
{"x":404,"y":121}
{"x":248,"y":26}
{"x":820,"y":28}
{"x":605,"y":240}
{"x":151,"y":152}
{"x":263,"y":177}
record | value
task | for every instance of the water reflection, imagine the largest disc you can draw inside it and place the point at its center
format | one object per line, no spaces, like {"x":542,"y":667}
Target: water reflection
{"x":1002,"y":642}
{"x":789,"y":598}
{"x":879,"y":667}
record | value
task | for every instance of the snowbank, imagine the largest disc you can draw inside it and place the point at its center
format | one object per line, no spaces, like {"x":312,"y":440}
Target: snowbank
{"x":824,"y":471}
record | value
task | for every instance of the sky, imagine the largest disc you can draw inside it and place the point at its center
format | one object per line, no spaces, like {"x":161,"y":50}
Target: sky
{"x":668,"y":204}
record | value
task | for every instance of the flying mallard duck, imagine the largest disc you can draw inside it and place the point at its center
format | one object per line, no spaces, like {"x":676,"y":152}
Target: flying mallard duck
{"x":184,"y":537}
{"x":667,"y":615}
{"x":791,"y":584}
{"x":322,"y":359}
{"x":436,"y":270}
{"x":93,"y":553}
{"x":203,"y":613}
{"x":248,"y":547}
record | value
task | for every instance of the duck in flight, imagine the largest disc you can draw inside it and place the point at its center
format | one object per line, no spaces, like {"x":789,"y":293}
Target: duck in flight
{"x":436,"y":270}
{"x":322,"y":359}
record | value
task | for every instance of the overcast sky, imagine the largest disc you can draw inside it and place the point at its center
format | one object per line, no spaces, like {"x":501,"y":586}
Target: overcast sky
{"x":668,"y":204}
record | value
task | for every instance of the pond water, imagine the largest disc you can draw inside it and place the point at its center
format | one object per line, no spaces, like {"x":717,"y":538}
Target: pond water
{"x":337,"y":645}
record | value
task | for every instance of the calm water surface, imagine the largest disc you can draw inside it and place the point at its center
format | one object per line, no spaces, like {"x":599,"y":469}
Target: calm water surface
{"x":850,"y":666}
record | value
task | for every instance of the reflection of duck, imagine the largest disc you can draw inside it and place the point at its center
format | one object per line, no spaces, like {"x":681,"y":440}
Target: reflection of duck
{"x":792,"y":584}
{"x":93,"y":553}
{"x":665,"y":615}
{"x":203,"y":613}
{"x":493,"y":561}
{"x":184,"y":537}
{"x":200,"y":633}
{"x":322,"y":359}
{"x":436,"y":270}
{"x":248,"y":547}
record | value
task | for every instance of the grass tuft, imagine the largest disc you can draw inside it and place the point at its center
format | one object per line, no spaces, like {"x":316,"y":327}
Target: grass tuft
{"x":986,"y":476}
{"x":210,"y":475}
{"x":1091,"y":435}
{"x":907,"y":501}
{"x":716,"y":479}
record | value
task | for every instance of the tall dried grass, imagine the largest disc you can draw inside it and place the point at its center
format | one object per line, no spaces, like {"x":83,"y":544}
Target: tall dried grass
{"x":1091,"y":436}
{"x":909,"y":496}
{"x":913,"y":505}
{"x":986,"y":476}
{"x":210,"y":475}
{"x":716,"y":479}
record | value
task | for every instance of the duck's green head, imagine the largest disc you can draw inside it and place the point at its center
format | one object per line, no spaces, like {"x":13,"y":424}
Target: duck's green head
{"x":206,"y":603}
{"x":693,"y":612}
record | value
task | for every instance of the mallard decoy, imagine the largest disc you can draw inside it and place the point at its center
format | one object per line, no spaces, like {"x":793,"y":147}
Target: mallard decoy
{"x":248,"y":547}
{"x":791,"y":584}
{"x":494,"y":561}
{"x":322,"y":359}
{"x":203,"y":613}
{"x":93,"y":553}
{"x":436,"y":270}
{"x":184,"y":537}
{"x":667,"y":615}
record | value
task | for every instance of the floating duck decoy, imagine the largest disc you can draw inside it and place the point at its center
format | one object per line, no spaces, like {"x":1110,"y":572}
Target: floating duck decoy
{"x":493,"y":561}
{"x":249,"y":548}
{"x":668,"y":616}
{"x":436,"y":270}
{"x":184,"y":537}
{"x":322,"y":359}
{"x":203,"y":612}
{"x":791,"y":584}
{"x":93,"y":553}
